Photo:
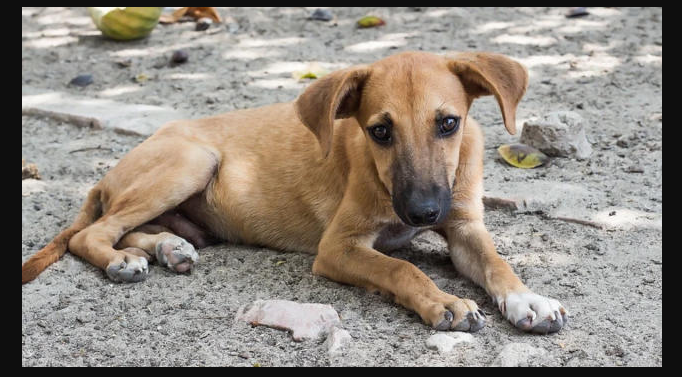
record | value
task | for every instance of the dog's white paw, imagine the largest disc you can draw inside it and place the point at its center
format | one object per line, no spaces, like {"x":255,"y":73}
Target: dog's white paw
{"x":130,"y":269}
{"x":176,"y":254}
{"x":534,"y":313}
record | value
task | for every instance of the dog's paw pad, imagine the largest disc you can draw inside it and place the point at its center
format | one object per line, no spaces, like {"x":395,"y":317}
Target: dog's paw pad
{"x":131,"y":269}
{"x":534,"y":313}
{"x":176,"y":254}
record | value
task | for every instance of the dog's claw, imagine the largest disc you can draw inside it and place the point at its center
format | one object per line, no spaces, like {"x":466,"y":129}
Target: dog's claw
{"x":472,"y":322}
{"x":446,"y":322}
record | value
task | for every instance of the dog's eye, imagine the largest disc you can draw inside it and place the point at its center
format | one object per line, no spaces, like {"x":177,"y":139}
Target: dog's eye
{"x":380,"y":133}
{"x":448,"y":125}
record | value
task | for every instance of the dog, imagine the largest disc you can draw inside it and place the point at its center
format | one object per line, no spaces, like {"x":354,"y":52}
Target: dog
{"x":363,"y":160}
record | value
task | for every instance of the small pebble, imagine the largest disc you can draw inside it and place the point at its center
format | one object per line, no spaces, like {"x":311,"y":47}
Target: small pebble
{"x":203,"y":24}
{"x":179,"y":57}
{"x":321,"y":15}
{"x":577,"y":12}
{"x":160,"y":63}
{"x":81,"y":80}
{"x":124,"y":63}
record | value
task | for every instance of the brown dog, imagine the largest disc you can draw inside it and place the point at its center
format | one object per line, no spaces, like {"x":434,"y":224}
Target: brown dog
{"x":392,"y":153}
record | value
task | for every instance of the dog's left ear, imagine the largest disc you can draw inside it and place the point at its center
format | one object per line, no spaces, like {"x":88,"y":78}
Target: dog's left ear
{"x":485,"y":73}
{"x":334,"y":96}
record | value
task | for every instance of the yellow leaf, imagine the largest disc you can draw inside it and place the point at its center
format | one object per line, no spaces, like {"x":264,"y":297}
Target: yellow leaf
{"x":141,"y":78}
{"x":522,"y":155}
{"x":312,"y":71}
{"x":370,"y":21}
{"x":280,"y":262}
{"x":124,"y":23}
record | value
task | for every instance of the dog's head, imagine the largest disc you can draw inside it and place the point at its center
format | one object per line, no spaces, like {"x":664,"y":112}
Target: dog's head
{"x":412,"y":108}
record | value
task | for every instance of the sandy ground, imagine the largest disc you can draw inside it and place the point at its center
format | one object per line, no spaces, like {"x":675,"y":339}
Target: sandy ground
{"x":607,"y":67}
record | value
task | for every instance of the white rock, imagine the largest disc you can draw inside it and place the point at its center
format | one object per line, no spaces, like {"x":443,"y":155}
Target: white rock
{"x":337,"y":339}
{"x":30,"y":185}
{"x":517,"y":355}
{"x":96,"y":113}
{"x":445,"y":343}
{"x":305,"y":321}
{"x":559,"y":133}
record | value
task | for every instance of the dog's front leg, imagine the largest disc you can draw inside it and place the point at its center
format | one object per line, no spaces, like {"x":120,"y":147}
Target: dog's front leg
{"x":474,"y":255}
{"x":345,"y":254}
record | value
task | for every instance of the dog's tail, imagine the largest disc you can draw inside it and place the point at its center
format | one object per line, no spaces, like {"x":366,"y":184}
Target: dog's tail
{"x":54,"y":250}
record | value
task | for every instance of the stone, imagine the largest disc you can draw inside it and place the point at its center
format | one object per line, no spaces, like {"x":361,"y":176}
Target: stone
{"x":179,"y":56}
{"x":81,"y":80}
{"x":305,"y":321}
{"x":96,"y":113}
{"x":30,"y":186}
{"x":550,"y":197}
{"x":444,"y":343}
{"x":558,"y":134}
{"x":337,"y":339}
{"x":321,"y":15}
{"x":517,"y":355}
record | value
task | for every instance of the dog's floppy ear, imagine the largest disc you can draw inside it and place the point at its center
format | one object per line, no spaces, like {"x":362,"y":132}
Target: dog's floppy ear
{"x":484,"y":73}
{"x":334,"y":96}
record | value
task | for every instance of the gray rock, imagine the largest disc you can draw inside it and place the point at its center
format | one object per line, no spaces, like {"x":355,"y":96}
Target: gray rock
{"x":445,"y":343}
{"x":321,"y":15}
{"x":517,"y":355}
{"x":81,"y":80}
{"x":337,"y":339}
{"x":136,"y":119}
{"x":305,"y":321}
{"x":559,"y":133}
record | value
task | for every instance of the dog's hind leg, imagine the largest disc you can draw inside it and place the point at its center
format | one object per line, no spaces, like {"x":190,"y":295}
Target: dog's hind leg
{"x":153,"y":178}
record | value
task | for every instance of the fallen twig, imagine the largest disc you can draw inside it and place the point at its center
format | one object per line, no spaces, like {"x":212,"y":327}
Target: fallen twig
{"x":91,"y":149}
{"x":211,"y":317}
{"x":492,"y":202}
{"x":577,"y":221}
{"x":78,"y":120}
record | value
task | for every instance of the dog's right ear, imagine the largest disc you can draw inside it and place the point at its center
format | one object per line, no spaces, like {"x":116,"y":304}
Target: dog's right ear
{"x":334,"y":96}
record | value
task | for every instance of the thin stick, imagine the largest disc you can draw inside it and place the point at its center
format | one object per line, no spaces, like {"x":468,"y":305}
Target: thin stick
{"x":91,"y":149}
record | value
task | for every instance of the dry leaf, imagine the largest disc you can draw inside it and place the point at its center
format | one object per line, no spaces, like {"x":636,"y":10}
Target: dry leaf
{"x":522,"y":155}
{"x":194,"y":12}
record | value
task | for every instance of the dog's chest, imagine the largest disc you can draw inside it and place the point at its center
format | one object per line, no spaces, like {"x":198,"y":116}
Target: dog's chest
{"x":394,"y":236}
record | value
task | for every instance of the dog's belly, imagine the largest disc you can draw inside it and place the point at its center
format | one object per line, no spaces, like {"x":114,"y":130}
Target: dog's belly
{"x":395,"y":236}
{"x":232,"y":216}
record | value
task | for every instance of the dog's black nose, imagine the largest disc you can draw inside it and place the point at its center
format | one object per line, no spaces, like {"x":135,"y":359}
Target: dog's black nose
{"x":426,"y":214}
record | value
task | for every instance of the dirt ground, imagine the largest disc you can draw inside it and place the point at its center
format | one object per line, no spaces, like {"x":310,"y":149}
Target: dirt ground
{"x":606,"y":66}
